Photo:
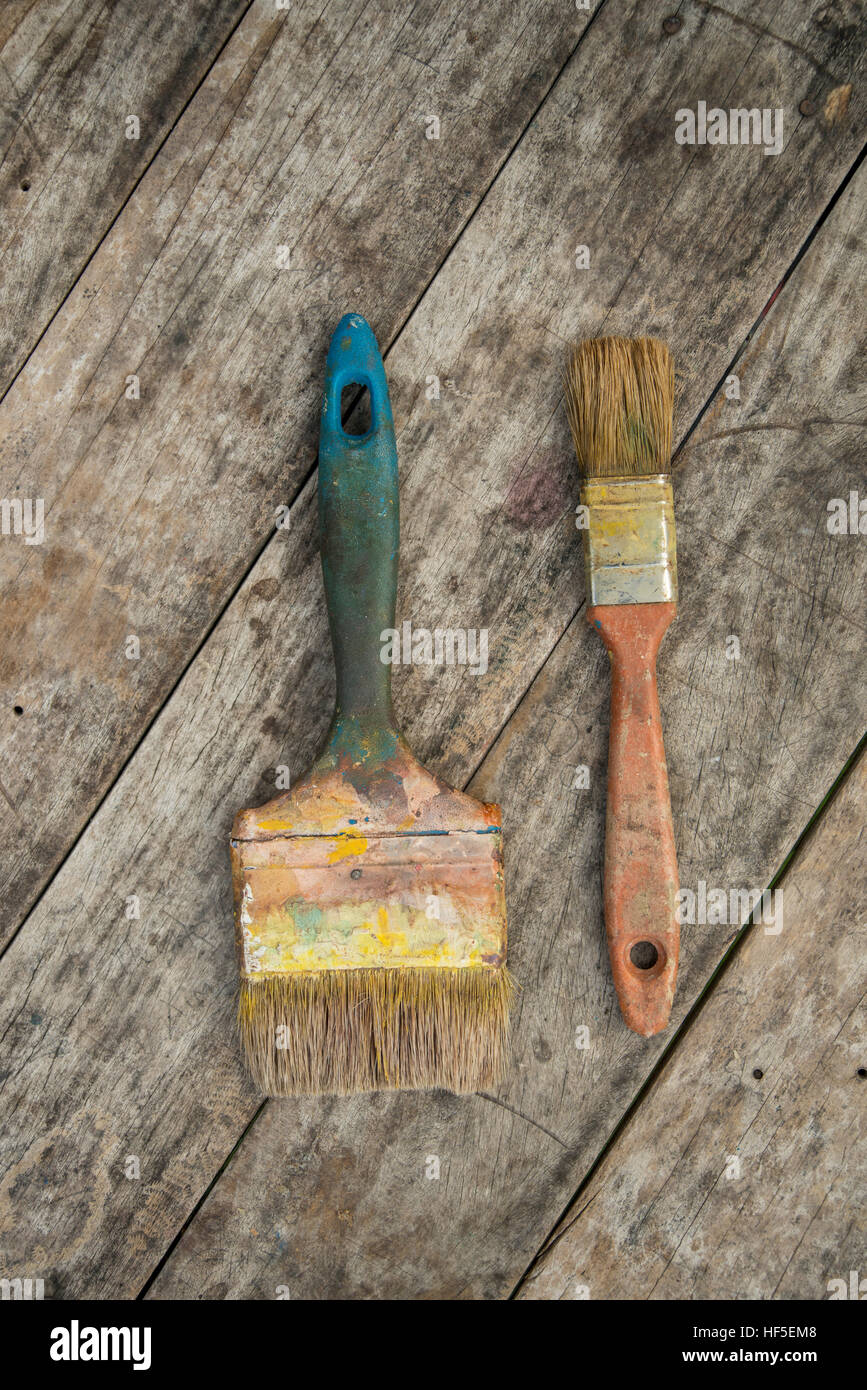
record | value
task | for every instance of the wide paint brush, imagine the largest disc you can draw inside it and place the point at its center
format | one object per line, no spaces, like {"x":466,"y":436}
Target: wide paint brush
{"x":369,"y":904}
{"x":620,"y":401}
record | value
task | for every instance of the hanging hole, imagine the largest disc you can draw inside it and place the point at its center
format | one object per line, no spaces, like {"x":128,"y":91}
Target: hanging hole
{"x":17,"y":709}
{"x":355,"y":409}
{"x":644,"y":955}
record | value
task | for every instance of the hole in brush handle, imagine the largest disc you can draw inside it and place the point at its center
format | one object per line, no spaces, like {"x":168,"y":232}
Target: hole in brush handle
{"x":641,"y":880}
{"x":355,"y":410}
{"x":353,"y":365}
{"x":644,"y":955}
{"x":359,"y":523}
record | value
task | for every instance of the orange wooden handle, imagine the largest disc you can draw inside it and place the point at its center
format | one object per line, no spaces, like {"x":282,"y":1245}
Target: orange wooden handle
{"x":640,"y":860}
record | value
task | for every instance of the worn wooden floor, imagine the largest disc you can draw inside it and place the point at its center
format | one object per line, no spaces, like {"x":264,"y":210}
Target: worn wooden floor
{"x":169,"y":285}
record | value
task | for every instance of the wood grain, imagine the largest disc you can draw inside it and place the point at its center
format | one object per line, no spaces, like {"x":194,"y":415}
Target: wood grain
{"x":743,"y":1174}
{"x":156,"y":507}
{"x":119,"y":1030}
{"x":70,"y":75}
{"x":752,"y":744}
{"x":309,"y":135}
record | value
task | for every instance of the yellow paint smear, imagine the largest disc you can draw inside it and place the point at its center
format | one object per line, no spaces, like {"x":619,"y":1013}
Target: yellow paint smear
{"x":350,"y":843}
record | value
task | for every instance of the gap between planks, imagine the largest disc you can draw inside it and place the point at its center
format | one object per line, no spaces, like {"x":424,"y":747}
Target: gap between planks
{"x":304,"y":478}
{"x":99,"y":711}
{"x":662,"y":1212}
{"x":798,"y":837}
{"x":35,"y":333}
{"x":789,"y":865}
{"x":777,"y":878}
{"x":269,"y":541}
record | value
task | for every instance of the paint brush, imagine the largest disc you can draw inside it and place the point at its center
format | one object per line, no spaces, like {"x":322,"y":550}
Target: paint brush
{"x":369,"y":902}
{"x":620,"y":403}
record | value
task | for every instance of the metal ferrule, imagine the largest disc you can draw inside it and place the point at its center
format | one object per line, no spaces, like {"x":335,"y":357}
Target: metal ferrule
{"x":629,"y":551}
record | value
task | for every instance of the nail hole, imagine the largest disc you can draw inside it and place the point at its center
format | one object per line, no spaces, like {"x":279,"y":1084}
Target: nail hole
{"x":758,"y":1073}
{"x":355,"y":873}
{"x":644,"y":955}
{"x":862,"y":1072}
{"x":671,"y":24}
{"x":25,"y":185}
{"x":18,"y":709}
{"x":360,"y":421}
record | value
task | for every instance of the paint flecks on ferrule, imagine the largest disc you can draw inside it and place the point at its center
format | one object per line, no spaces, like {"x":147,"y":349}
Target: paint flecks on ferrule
{"x":630,"y":552}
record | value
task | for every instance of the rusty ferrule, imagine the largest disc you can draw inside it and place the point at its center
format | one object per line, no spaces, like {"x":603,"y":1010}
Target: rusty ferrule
{"x":630,"y":554}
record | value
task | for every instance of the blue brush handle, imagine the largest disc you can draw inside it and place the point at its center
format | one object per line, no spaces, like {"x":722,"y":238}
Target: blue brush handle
{"x":359,"y":526}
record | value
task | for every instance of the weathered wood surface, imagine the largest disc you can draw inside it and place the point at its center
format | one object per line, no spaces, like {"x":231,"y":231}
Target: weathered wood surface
{"x":70,"y":75}
{"x":768,"y":1076}
{"x":309,"y":134}
{"x":157,"y":506}
{"x":331,"y":1199}
{"x":121,"y":1032}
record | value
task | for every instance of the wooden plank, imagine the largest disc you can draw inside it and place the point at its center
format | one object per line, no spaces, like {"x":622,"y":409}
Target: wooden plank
{"x":156,"y":506}
{"x":122,"y":1031}
{"x":333,"y":1199}
{"x":71,"y":74}
{"x":743,"y":1173}
{"x":309,"y":134}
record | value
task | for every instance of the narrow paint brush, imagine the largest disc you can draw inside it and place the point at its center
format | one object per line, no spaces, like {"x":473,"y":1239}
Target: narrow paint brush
{"x":620,"y":403}
{"x":369,"y":903}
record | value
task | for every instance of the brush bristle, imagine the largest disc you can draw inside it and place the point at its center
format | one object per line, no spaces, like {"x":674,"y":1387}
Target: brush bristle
{"x":338,"y":1032}
{"x":620,"y":403}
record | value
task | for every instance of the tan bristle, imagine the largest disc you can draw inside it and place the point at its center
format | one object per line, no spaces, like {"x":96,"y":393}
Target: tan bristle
{"x":620,"y":403}
{"x":337,"y":1032}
